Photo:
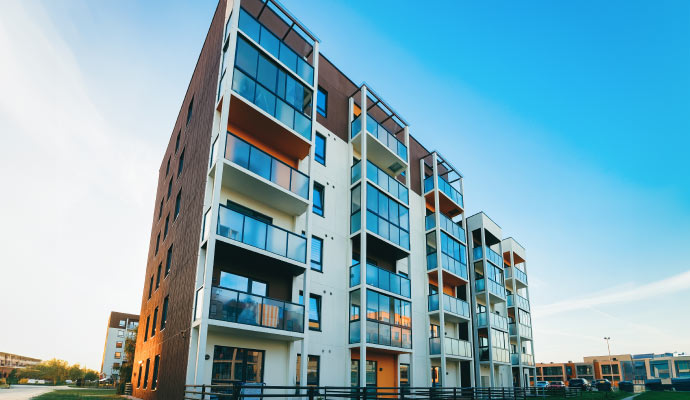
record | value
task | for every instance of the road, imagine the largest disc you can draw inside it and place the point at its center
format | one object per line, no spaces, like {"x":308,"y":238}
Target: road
{"x":25,"y":392}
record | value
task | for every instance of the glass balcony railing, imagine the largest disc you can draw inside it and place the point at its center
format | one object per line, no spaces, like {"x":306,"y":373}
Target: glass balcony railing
{"x":270,"y":168}
{"x":497,"y":321}
{"x":382,"y":279}
{"x":490,"y":255}
{"x":249,"y":309}
{"x":452,"y":347}
{"x":243,"y":228}
{"x":447,"y":224}
{"x":383,"y":334}
{"x":387,"y":230}
{"x":445,"y":187}
{"x":450,"y":304}
{"x":527,"y":359}
{"x":525,"y":331}
{"x":499,"y":355}
{"x":391,"y":185}
{"x":515,"y":300}
{"x":519,"y":274}
{"x":495,"y":288}
{"x":276,"y":47}
{"x":449,"y":264}
{"x":378,"y":131}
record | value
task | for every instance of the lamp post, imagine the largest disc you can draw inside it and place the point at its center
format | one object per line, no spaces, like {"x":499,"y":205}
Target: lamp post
{"x":607,"y":338}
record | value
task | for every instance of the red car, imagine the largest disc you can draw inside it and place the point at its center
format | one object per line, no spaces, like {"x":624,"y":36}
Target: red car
{"x":556,"y":384}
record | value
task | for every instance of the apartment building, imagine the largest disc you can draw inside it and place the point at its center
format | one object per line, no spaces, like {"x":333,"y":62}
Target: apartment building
{"x":665,"y":366}
{"x":121,"y":326}
{"x":10,"y":362}
{"x":565,"y":371}
{"x":297,"y":217}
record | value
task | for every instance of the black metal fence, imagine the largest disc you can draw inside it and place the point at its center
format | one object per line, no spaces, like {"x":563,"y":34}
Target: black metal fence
{"x":258,"y":391}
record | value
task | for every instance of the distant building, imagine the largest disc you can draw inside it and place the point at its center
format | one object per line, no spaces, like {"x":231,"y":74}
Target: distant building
{"x":9,"y":362}
{"x":120,"y":327}
{"x":619,"y":367}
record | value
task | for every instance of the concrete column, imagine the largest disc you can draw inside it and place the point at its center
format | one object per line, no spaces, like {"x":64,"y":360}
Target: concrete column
{"x":439,"y":271}
{"x":363,"y":244}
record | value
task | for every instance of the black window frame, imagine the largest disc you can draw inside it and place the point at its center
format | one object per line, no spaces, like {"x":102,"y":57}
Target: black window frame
{"x":168,"y":260}
{"x":167,"y":167}
{"x":178,"y":205}
{"x":312,"y":262}
{"x":320,"y":158}
{"x":180,"y":163}
{"x":323,"y":112}
{"x":164,"y":313}
{"x":155,"y":321}
{"x":319,"y":304}
{"x":146,"y":331}
{"x":243,"y":364}
{"x":158,"y":275}
{"x":169,"y":189}
{"x":158,"y":243}
{"x":154,"y":377}
{"x":146,"y":374}
{"x":166,"y":226}
{"x":139,"y":376}
{"x":151,"y":287}
{"x":320,"y":211}
{"x":177,"y":140}
{"x":318,"y":369}
{"x":160,"y":209}
{"x":190,"y":111}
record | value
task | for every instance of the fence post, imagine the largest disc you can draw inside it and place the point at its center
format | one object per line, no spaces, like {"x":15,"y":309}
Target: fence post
{"x":310,"y":393}
{"x":455,"y":393}
{"x":203,"y":392}
{"x":235,"y":391}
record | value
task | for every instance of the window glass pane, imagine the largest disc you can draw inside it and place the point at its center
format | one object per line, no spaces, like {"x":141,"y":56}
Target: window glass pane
{"x":232,"y":281}
{"x":316,"y":253}
{"x":265,"y":100}
{"x":320,"y":150}
{"x":247,"y":57}
{"x":267,"y":74}
{"x":356,"y":197}
{"x":249,"y":25}
{"x":259,"y":288}
{"x":321,"y":102}
{"x":372,"y":305}
{"x":288,"y":57}
{"x":243,"y":85}
{"x":269,"y":41}
{"x":372,"y":199}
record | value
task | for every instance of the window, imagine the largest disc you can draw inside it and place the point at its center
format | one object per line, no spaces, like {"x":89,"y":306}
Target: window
{"x":155,"y":319}
{"x":385,"y":216}
{"x":160,"y":210}
{"x":164,"y":313}
{"x":167,"y":225}
{"x":322,"y":102}
{"x":243,"y":284}
{"x":320,"y":149}
{"x":168,"y":260}
{"x":146,"y":374}
{"x":169,"y":188}
{"x":146,"y":331}
{"x":116,"y":365}
{"x":178,"y":203}
{"x":118,"y":354}
{"x":313,"y":364}
{"x":120,"y":333}
{"x":154,"y":378}
{"x":190,"y":109}
{"x":318,"y":199}
{"x":180,"y":164}
{"x":404,"y":374}
{"x":139,"y":377}
{"x":370,"y":373}
{"x":177,"y":141}
{"x":316,"y":254}
{"x":150,"y":287}
{"x":232,"y":364}
{"x":314,"y":311}
{"x":158,"y":276}
{"x":158,"y":242}
{"x":167,"y":167}
{"x":118,"y":345}
{"x":122,"y":323}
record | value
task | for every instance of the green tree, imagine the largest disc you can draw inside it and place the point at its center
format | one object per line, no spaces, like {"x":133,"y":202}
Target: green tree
{"x":125,"y":373}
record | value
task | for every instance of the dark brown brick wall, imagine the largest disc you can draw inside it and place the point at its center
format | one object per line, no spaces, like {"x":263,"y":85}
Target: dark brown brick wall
{"x":172,"y":344}
{"x":116,"y":317}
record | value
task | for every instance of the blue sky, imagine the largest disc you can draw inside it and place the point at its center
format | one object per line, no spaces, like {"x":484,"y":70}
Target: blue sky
{"x":569,"y":120}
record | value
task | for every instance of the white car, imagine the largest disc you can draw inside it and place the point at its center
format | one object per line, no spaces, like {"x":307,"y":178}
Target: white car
{"x":541,"y":384}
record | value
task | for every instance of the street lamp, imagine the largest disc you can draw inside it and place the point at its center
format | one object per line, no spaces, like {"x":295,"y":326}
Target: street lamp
{"x":607,"y":338}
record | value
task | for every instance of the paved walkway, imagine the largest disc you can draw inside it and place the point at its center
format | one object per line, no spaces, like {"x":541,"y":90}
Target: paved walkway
{"x":25,"y":392}
{"x":631,"y":397}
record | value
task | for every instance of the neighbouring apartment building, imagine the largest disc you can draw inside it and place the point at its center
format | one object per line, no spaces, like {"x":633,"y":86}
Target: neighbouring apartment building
{"x":619,"y":367}
{"x":296,"y":216}
{"x":9,"y":362}
{"x":121,"y":326}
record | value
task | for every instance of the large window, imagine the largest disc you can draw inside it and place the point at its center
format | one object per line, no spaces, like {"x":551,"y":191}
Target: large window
{"x":164,"y":313}
{"x":322,"y":102}
{"x":150,"y":287}
{"x":371,"y":370}
{"x":168,"y":260}
{"x":146,"y":373}
{"x":385,"y":216}
{"x":320,"y":149}
{"x":154,"y":378}
{"x":180,"y":164}
{"x":167,"y":225}
{"x":232,"y":364}
{"x":319,"y":199}
{"x":118,"y":354}
{"x":158,"y":276}
{"x":178,"y":203}
{"x":190,"y":110}
{"x":155,"y":320}
{"x":146,"y":331}
{"x":313,"y":364}
{"x":316,"y":254}
{"x":682,"y":368}
{"x":243,"y":284}
{"x":404,"y":374}
{"x":314,"y":311}
{"x":139,"y":377}
{"x":388,"y":320}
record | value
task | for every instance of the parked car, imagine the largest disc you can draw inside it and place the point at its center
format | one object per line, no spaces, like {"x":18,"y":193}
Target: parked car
{"x":556,"y":385}
{"x":602,"y":385}
{"x":541,"y":384}
{"x":579,"y":383}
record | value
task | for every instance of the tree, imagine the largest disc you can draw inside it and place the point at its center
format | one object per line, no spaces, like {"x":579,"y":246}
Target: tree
{"x":125,"y":374}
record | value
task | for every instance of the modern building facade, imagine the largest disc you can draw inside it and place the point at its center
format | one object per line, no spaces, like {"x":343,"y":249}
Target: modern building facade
{"x":10,"y":362}
{"x":296,"y":216}
{"x":121,"y":326}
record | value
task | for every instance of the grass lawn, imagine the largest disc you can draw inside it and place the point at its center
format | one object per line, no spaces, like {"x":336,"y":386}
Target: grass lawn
{"x":72,"y":394}
{"x":664,"y":396}
{"x":617,"y":395}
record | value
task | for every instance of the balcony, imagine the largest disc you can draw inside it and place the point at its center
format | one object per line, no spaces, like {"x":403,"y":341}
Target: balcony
{"x":261,"y":176}
{"x":383,"y":148}
{"x":451,"y":304}
{"x":520,"y":275}
{"x":455,"y":230}
{"x":260,"y":235}
{"x":525,"y":331}
{"x":499,"y":355}
{"x":446,"y":188}
{"x":448,"y":263}
{"x":491,"y":255}
{"x":495,"y":288}
{"x":497,"y":321}
{"x":248,"y":309}
{"x":515,"y":300}
{"x":381,"y":279}
{"x":386,"y":182}
{"x":527,"y":359}
{"x":382,"y":334}
{"x":453,"y":347}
